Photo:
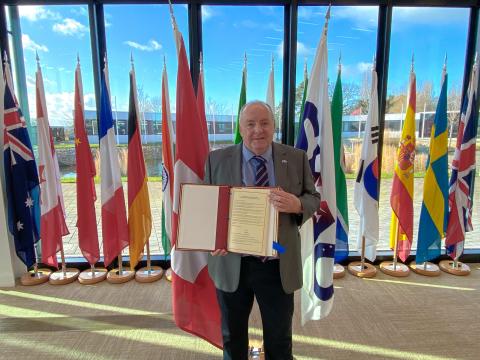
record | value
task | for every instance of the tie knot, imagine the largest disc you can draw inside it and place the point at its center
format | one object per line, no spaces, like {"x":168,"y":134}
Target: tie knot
{"x":258,"y":160}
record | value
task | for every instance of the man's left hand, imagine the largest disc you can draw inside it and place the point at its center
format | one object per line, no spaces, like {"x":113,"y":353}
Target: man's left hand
{"x":285,"y":202}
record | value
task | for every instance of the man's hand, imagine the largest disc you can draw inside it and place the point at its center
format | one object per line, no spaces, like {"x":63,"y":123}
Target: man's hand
{"x":221,"y":252}
{"x":285,"y":202}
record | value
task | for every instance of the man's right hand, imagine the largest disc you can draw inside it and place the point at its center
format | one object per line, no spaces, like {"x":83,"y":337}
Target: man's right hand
{"x":221,"y":252}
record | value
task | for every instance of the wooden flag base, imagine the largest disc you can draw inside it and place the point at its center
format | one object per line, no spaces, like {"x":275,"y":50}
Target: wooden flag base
{"x":368,"y":271}
{"x":460,"y":270}
{"x":429,"y":270}
{"x":87,"y":277}
{"x":145,"y":275}
{"x":30,"y":278}
{"x":338,"y":271}
{"x":168,"y":274}
{"x":61,"y":278}
{"x":115,"y":277}
{"x":401,"y":270}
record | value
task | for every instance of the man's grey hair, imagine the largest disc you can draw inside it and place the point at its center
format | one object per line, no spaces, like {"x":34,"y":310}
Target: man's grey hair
{"x":261,"y":103}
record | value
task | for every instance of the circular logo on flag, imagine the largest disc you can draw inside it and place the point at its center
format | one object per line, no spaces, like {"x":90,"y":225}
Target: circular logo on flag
{"x":165,"y":178}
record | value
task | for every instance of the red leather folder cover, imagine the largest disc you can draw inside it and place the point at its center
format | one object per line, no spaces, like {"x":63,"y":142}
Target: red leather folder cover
{"x":222,"y":217}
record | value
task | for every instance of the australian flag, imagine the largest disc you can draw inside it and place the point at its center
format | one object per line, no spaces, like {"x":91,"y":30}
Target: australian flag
{"x":21,"y":179}
{"x":460,"y":198}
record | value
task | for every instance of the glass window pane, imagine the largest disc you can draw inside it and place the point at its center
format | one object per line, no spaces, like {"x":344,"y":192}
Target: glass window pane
{"x":428,"y":34}
{"x":352,"y":35}
{"x":144,"y":31}
{"x":228,"y":33}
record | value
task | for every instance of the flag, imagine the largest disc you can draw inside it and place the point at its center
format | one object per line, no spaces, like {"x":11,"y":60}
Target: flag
{"x":242,"y":101}
{"x":114,"y":218}
{"x":86,"y":195}
{"x":201,"y":103}
{"x":434,"y":212}
{"x":304,"y":98}
{"x":401,"y":198}
{"x":195,"y":306}
{"x":139,"y":214}
{"x":21,"y":177}
{"x":52,"y":220}
{"x":462,"y":180}
{"x":366,"y":185}
{"x":167,"y":167}
{"x":270,"y":99}
{"x":316,"y":139}
{"x":341,"y":245}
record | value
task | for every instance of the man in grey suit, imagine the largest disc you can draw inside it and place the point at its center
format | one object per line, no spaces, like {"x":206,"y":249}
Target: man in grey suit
{"x":239,"y":278}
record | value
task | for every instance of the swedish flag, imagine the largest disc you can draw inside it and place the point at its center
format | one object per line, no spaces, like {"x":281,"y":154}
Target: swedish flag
{"x":434,"y":213}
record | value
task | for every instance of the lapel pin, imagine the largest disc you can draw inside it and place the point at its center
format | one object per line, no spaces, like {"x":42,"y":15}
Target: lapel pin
{"x":284,"y":161}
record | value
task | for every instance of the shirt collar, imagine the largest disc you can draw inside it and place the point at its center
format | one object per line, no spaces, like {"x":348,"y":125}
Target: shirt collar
{"x":247,"y":154}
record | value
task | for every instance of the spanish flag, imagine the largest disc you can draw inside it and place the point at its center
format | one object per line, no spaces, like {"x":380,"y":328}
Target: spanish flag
{"x":401,"y":198}
{"x":139,"y":215}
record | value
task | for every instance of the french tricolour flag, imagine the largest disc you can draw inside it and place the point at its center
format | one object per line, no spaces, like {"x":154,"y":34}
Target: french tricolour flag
{"x":114,"y":218}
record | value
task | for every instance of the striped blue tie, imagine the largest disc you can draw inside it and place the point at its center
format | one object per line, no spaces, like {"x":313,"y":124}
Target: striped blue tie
{"x":261,"y":173}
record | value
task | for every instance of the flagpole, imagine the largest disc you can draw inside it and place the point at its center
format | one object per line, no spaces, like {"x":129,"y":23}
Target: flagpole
{"x":37,"y":276}
{"x":149,"y":273}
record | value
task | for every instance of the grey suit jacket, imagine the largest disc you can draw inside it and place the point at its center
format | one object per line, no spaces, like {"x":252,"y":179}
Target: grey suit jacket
{"x":292,"y":174}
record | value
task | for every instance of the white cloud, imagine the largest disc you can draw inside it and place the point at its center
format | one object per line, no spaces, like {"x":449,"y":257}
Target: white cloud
{"x":302,"y":50}
{"x":59,"y":106}
{"x":429,"y":16}
{"x":364,"y":66}
{"x":208,"y":12}
{"x":79,"y":11}
{"x":34,"y":13}
{"x":307,"y":13}
{"x":29,"y":44}
{"x":70,"y":27}
{"x":152,"y":45}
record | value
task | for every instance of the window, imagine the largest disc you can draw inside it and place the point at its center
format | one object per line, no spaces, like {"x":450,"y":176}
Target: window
{"x":230,"y":32}
{"x":352,"y":36}
{"x":428,"y":34}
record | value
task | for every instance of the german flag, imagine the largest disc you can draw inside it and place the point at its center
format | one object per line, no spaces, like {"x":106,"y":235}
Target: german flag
{"x":139,"y":215}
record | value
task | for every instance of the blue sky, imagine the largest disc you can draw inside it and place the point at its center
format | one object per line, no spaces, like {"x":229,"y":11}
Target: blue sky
{"x":58,"y":33}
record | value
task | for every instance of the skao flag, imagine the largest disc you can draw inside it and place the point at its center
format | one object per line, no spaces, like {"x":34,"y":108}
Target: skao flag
{"x":195,"y":306}
{"x":318,"y":240}
{"x":21,"y":176}
{"x":86,"y":194}
{"x":52,"y":220}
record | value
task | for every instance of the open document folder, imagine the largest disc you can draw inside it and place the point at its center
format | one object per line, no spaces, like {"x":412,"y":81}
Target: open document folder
{"x":238,"y":219}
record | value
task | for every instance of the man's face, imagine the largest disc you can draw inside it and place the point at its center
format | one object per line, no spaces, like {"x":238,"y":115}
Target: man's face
{"x":256,"y":128}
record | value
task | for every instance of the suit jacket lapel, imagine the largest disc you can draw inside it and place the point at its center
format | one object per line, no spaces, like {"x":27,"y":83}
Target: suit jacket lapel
{"x":280,"y":164}
{"x":236,"y":166}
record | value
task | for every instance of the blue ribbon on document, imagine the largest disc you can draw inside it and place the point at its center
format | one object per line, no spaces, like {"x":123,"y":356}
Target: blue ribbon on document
{"x":278,"y":248}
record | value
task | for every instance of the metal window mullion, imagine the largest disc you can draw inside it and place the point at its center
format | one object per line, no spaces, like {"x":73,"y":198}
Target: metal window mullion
{"x":289,"y":72}
{"x":382,"y":60}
